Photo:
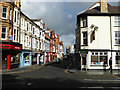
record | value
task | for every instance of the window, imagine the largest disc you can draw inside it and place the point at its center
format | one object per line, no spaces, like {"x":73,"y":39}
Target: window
{"x":10,"y":14}
{"x":14,"y":34}
{"x":99,"y":58}
{"x":27,"y":26}
{"x":4,"y":12}
{"x":18,"y":15}
{"x":84,"y":20}
{"x":117,"y":58}
{"x":3,"y":33}
{"x":117,"y":37}
{"x":15,"y":17}
{"x":85,"y":42}
{"x":33,"y":30}
{"x":117,"y":21}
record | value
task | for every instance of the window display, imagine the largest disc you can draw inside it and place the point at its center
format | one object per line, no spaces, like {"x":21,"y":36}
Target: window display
{"x":99,"y":58}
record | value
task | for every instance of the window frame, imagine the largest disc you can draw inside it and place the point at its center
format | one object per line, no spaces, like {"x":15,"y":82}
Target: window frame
{"x":117,"y":38}
{"x":117,"y":20}
{"x":5,"y":33}
{"x":4,"y":12}
{"x":85,"y":38}
{"x":99,"y":58}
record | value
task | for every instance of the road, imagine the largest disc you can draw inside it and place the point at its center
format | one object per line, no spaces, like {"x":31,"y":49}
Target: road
{"x":56,"y":76}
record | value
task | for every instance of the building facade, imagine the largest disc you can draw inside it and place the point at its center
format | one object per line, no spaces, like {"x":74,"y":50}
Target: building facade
{"x":9,"y":34}
{"x":98,"y":29}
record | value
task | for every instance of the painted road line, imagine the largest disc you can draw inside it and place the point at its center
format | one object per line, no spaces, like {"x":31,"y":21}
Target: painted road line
{"x":102,"y":80}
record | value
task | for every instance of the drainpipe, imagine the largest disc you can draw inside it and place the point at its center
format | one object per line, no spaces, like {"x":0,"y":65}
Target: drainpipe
{"x":111,"y":35}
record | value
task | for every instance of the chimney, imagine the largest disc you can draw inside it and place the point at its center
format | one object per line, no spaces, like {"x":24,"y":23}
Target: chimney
{"x":48,"y":29}
{"x":103,"y":6}
{"x":43,"y":26}
{"x":58,"y":36}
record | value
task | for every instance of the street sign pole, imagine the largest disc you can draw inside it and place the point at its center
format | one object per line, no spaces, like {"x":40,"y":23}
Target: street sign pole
{"x":81,"y":62}
{"x":86,"y":63}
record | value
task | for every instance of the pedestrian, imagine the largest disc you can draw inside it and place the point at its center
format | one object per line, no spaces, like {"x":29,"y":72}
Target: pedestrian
{"x":110,"y":63}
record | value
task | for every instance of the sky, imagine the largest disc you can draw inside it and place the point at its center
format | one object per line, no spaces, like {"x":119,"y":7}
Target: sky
{"x":58,"y":15}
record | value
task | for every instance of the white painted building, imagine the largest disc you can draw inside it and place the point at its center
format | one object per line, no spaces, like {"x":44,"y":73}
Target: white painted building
{"x":99,"y":36}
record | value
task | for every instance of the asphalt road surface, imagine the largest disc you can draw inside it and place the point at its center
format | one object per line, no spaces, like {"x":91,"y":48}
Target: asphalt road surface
{"x":56,"y":76}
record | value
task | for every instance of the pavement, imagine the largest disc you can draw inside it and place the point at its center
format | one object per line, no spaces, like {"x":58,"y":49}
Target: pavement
{"x":21,"y":70}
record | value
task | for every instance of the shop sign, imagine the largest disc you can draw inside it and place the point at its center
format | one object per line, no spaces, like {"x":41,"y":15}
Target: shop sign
{"x":83,"y":52}
{"x":84,"y":55}
{"x":4,"y":46}
{"x":10,"y":37}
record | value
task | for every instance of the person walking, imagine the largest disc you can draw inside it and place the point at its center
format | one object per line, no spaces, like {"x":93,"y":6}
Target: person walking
{"x":110,"y":63}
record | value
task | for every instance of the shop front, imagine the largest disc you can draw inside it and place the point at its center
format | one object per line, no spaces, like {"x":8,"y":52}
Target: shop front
{"x":51,"y":57}
{"x":34,"y":58}
{"x":25,"y":58}
{"x":10,"y":55}
{"x":42,"y":57}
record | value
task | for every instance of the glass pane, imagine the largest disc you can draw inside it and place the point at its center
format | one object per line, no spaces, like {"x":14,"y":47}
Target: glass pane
{"x":3,"y":30}
{"x":4,"y":15}
{"x":117,"y":59}
{"x":3,"y":35}
{"x":4,"y":9}
{"x":115,"y":34}
{"x":94,"y":58}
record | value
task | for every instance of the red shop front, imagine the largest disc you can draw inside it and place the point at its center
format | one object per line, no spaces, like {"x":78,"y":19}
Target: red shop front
{"x":10,"y":55}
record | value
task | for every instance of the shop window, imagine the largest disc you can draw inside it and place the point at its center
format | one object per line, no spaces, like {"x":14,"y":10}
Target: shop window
{"x":4,"y":12}
{"x":99,"y":58}
{"x":14,"y":58}
{"x":103,"y":59}
{"x":117,"y":58}
{"x":3,"y":33}
{"x":26,"y":57}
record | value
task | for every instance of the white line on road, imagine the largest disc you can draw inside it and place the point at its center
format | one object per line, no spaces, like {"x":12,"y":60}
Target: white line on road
{"x":103,"y":80}
{"x":99,"y":87}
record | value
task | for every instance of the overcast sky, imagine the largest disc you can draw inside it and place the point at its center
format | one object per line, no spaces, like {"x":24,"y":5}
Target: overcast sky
{"x":58,"y":15}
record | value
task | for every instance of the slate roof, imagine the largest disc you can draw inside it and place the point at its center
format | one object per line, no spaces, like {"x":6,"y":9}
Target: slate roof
{"x":112,"y":10}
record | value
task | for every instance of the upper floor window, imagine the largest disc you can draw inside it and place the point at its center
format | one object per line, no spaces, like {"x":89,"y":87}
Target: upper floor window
{"x":117,"y":37}
{"x":4,"y":12}
{"x":84,"y":21}
{"x":3,"y":33}
{"x":15,"y":16}
{"x":27,"y":27}
{"x":85,"y":41}
{"x":117,"y":21}
{"x":33,"y":30}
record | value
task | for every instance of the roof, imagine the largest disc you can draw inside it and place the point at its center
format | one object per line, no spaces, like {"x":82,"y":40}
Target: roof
{"x":112,"y":10}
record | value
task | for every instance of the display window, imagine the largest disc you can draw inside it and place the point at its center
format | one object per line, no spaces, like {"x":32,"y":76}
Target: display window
{"x":117,"y":58}
{"x":99,"y":58}
{"x":14,"y":58}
